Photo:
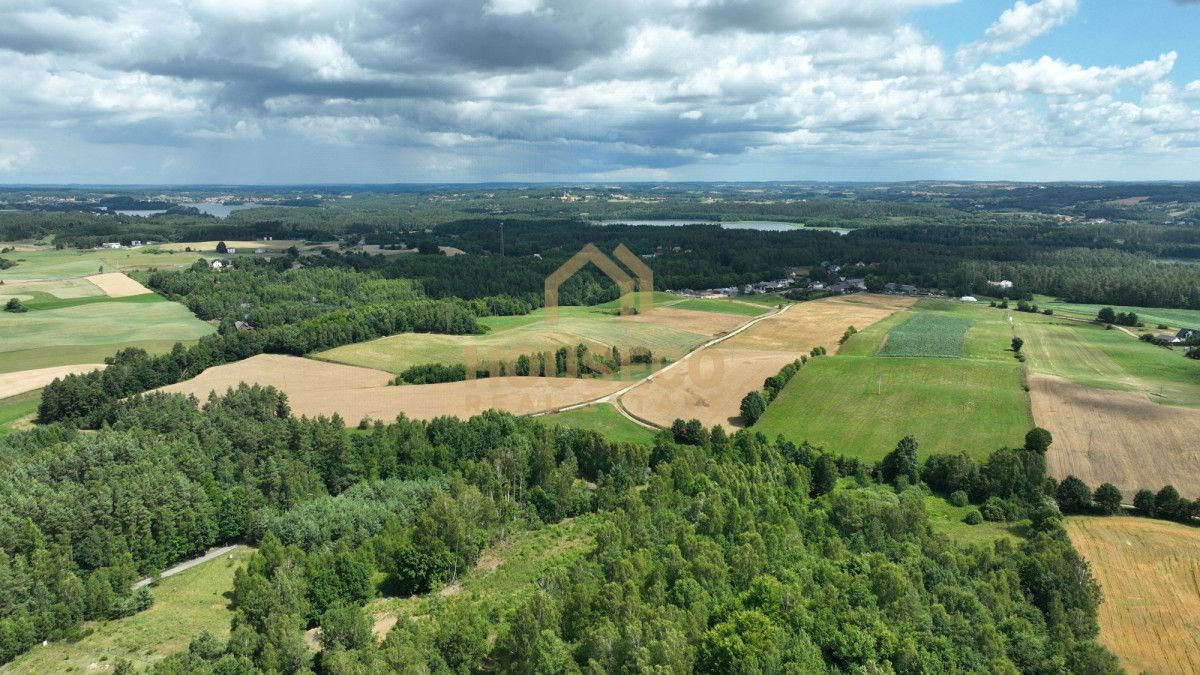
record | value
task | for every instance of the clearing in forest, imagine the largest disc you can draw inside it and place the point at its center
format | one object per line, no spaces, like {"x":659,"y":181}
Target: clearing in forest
{"x":1147,"y":569}
{"x":185,"y":605}
{"x":710,"y":385}
{"x":118,"y":285}
{"x":1117,"y":437}
{"x":320,"y":388}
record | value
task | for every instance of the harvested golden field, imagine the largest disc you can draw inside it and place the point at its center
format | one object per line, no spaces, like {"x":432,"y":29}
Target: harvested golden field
{"x":709,"y":384}
{"x":118,"y":285}
{"x":22,"y":381}
{"x":1118,"y":437}
{"x":321,"y":388}
{"x":1150,"y":617}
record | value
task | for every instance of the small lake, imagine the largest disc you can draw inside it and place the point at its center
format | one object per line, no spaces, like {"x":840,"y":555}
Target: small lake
{"x":764,"y":225}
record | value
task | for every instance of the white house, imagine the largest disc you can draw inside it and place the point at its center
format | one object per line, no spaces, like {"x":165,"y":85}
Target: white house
{"x":217,"y":264}
{"x":1003,"y":283}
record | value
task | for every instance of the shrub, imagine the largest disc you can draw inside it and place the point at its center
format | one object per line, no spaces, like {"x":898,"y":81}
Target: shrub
{"x":973,"y":517}
{"x":959,"y":498}
{"x":994,"y":510}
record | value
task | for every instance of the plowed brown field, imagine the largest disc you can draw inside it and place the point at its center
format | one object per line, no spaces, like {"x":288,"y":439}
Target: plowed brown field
{"x":1118,"y":437}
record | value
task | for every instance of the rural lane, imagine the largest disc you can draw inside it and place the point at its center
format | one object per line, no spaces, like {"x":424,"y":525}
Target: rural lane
{"x":615,"y":397}
{"x":187,"y":565}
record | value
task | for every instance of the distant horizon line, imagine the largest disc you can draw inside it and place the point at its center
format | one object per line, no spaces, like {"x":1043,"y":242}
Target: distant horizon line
{"x":571,"y":183}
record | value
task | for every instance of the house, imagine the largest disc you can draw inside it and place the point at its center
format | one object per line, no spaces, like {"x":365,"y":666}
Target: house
{"x":111,"y":244}
{"x":1185,"y":334}
{"x":857,"y":284}
{"x":135,"y":242}
{"x":242,"y":326}
{"x":889,"y":287}
{"x":231,"y":251}
{"x":908,"y":289}
{"x":217,"y":264}
{"x":1003,"y":283}
{"x":968,"y":298}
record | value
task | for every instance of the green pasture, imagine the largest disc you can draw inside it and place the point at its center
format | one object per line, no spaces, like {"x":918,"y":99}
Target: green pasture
{"x":57,"y":334}
{"x":862,"y":406}
{"x":724,"y":306}
{"x":67,"y":263}
{"x":604,"y":419}
{"x":16,"y":408}
{"x":1151,"y":316}
{"x":184,"y":605}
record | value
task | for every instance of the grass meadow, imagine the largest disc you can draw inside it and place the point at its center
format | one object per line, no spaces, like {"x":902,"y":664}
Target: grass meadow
{"x":862,"y":406}
{"x":604,"y":419}
{"x":184,"y":605}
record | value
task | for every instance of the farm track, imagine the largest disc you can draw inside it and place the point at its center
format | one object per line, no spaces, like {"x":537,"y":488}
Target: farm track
{"x":615,"y":397}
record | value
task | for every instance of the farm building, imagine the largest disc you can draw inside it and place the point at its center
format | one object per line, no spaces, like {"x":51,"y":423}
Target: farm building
{"x":217,"y":264}
{"x":1185,"y":334}
{"x":1003,"y":283}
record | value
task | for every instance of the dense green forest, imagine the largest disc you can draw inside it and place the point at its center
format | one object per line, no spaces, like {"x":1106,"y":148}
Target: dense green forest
{"x":716,"y":553}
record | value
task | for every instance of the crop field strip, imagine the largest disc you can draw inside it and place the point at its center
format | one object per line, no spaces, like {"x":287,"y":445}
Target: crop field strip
{"x":1147,"y":569}
{"x":927,"y":335}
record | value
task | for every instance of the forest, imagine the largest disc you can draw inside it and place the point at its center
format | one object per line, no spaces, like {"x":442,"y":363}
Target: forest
{"x":716,"y":552}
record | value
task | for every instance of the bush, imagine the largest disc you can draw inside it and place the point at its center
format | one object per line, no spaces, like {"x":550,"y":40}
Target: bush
{"x":753,"y":406}
{"x":973,"y":517}
{"x":14,"y":305}
{"x":959,"y":498}
{"x":994,"y":510}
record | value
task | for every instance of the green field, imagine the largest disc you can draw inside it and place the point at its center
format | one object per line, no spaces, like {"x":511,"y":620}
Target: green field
{"x":861,"y":406}
{"x":54,"y":264}
{"x":724,"y":306}
{"x":1151,"y":316}
{"x":927,"y":334}
{"x":184,"y":605}
{"x":16,"y":408}
{"x":604,"y":419}
{"x":101,"y":323}
{"x":511,"y":336}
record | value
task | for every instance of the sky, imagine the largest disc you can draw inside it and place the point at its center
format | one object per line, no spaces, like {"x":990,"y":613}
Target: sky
{"x":386,"y":91}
